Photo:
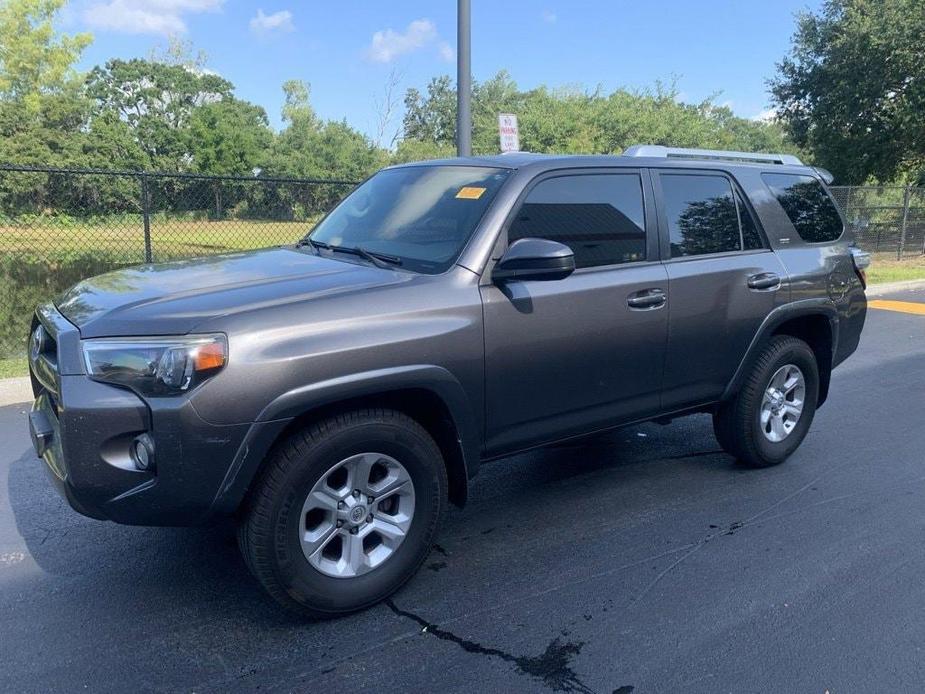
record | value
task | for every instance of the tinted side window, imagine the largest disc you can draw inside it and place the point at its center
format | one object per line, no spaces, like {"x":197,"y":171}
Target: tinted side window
{"x":751,"y":237}
{"x":701,"y":214}
{"x":599,"y":216}
{"x":809,"y":207}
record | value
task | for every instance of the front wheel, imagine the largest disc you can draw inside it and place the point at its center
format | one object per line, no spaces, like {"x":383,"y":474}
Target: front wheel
{"x":771,"y":414}
{"x":344,"y":512}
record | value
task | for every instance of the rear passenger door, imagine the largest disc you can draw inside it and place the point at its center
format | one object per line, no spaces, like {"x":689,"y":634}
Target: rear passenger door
{"x":723,"y":280}
{"x":569,"y":356}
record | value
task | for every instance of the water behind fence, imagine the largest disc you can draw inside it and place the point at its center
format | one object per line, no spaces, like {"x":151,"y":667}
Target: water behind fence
{"x":58,"y":226}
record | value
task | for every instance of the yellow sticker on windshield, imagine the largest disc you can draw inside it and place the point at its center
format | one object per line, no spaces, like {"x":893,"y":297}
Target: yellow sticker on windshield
{"x":470,"y":193}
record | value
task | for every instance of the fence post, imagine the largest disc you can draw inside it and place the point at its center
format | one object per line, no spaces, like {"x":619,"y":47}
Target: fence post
{"x":854,"y":226}
{"x":902,"y":231}
{"x":146,"y":215}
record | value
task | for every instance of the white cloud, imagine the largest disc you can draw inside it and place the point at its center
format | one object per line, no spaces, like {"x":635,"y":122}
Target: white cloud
{"x":447,"y":52}
{"x":263,"y":24}
{"x":146,"y":16}
{"x":549,"y":16}
{"x":388,"y":44}
{"x":766,"y":116}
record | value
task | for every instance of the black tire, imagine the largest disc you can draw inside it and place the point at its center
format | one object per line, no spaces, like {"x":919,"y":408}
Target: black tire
{"x":737,"y":423}
{"x":268,"y":533}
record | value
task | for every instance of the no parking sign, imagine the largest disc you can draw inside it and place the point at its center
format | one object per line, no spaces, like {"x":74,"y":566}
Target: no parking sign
{"x":509,"y":132}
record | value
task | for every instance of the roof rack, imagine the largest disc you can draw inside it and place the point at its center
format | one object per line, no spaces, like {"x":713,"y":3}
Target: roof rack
{"x":660,"y":151}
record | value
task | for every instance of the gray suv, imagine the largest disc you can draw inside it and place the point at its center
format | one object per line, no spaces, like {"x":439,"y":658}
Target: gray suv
{"x":334,"y":395}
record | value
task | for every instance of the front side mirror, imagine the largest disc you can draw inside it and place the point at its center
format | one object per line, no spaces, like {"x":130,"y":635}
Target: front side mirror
{"x":535,"y":259}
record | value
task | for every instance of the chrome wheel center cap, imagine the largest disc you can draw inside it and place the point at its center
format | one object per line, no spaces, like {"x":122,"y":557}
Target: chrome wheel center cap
{"x":358,"y":514}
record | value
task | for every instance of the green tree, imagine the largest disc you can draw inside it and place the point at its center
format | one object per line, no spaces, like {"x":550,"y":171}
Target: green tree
{"x":157,"y":101}
{"x":575,"y":120}
{"x":63,"y":133}
{"x":431,"y":118}
{"x":228,"y":137}
{"x":309,"y":147}
{"x":312,"y":148}
{"x":419,"y":150}
{"x":852,"y":89}
{"x":34,"y":58}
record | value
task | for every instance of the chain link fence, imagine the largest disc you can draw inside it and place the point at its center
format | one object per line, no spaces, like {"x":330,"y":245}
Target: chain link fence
{"x":59,"y":226}
{"x":885,"y":219}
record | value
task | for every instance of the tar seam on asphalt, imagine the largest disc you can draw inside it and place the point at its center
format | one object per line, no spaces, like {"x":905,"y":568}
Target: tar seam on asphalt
{"x":551,"y":667}
{"x":728,"y":530}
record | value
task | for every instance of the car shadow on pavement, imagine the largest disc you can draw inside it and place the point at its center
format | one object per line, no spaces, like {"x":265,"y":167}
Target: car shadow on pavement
{"x":97,"y":566}
{"x":103,"y":565}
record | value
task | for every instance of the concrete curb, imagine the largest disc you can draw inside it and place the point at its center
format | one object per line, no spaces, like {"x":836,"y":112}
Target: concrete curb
{"x":15,"y":390}
{"x":889,"y":287}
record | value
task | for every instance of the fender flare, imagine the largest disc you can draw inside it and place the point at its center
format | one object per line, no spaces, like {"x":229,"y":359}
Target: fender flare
{"x":776,"y":318}
{"x":281,"y":411}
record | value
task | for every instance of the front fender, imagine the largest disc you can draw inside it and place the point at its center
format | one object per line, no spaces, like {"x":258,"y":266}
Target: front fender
{"x":281,"y":411}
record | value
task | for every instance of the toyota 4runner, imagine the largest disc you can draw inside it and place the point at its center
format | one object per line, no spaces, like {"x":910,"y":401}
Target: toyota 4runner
{"x":334,"y":395}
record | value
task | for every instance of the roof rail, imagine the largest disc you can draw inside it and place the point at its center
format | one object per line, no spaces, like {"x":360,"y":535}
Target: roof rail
{"x":659,"y":151}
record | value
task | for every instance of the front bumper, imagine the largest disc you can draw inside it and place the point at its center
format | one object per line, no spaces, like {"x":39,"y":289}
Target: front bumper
{"x":84,"y":430}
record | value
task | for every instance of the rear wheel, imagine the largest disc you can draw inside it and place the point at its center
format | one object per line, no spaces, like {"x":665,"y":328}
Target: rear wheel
{"x":770,"y":415}
{"x":345,"y":512}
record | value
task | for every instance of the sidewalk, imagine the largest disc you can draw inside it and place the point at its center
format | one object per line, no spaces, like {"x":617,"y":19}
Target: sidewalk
{"x":14,"y":390}
{"x":890,"y":287}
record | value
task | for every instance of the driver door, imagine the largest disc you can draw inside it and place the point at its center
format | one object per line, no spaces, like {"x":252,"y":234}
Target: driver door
{"x":573,"y":355}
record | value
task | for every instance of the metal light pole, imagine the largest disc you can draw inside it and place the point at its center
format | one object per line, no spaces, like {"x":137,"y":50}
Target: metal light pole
{"x":463,"y":78}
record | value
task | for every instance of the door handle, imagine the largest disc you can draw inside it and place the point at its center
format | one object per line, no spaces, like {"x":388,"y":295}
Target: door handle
{"x":646,"y":300}
{"x":764,"y":281}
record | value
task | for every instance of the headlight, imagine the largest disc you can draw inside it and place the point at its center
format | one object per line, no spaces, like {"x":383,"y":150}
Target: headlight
{"x":156,"y":366}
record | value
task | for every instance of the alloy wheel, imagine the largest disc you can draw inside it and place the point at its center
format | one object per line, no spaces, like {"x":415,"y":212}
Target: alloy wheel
{"x":357,"y":515}
{"x":782,"y":403}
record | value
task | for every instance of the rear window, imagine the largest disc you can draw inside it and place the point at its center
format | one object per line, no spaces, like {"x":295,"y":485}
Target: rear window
{"x":702,"y":214}
{"x":808,"y":206}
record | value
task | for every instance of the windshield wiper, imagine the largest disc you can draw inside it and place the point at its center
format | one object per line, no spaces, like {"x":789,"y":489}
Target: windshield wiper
{"x":378,"y":259}
{"x":374,"y":257}
{"x":308,"y":241}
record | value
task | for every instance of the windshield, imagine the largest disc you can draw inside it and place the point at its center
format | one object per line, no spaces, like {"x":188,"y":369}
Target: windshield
{"x":422,"y":215}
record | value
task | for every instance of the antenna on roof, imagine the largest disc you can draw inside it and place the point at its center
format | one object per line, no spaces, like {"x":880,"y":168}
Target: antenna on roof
{"x":659,"y":151}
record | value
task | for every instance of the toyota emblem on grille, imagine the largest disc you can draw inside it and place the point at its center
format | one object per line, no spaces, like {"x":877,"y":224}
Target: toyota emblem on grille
{"x":37,"y":342}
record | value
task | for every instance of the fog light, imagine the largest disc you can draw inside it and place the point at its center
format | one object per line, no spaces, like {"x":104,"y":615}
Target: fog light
{"x":143,"y":452}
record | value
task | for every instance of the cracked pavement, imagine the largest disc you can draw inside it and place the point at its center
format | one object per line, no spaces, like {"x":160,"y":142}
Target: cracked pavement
{"x":642,"y":560}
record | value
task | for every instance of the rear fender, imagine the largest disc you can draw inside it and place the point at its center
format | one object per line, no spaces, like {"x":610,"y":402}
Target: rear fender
{"x":776,"y":318}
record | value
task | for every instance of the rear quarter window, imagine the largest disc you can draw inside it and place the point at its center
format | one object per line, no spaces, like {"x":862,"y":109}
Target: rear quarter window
{"x":809,"y":207}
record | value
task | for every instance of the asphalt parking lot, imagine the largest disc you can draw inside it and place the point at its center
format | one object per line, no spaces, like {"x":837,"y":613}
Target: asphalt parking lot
{"x":639,"y":561}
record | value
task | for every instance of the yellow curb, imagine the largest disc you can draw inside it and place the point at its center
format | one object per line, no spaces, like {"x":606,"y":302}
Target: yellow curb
{"x":900,"y":306}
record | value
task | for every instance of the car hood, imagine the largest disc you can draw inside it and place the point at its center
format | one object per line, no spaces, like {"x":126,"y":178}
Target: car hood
{"x":172,"y":298}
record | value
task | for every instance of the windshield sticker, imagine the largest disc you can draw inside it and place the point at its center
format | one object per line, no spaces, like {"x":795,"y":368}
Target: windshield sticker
{"x":470,"y":193}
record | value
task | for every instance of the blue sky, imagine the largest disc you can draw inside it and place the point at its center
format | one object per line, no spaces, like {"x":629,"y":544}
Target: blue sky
{"x":346,"y":50}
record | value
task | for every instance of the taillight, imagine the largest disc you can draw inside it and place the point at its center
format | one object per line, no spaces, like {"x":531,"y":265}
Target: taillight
{"x":861,"y":260}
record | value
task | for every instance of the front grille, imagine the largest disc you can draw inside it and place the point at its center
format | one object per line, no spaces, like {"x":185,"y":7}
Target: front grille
{"x":43,"y":361}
